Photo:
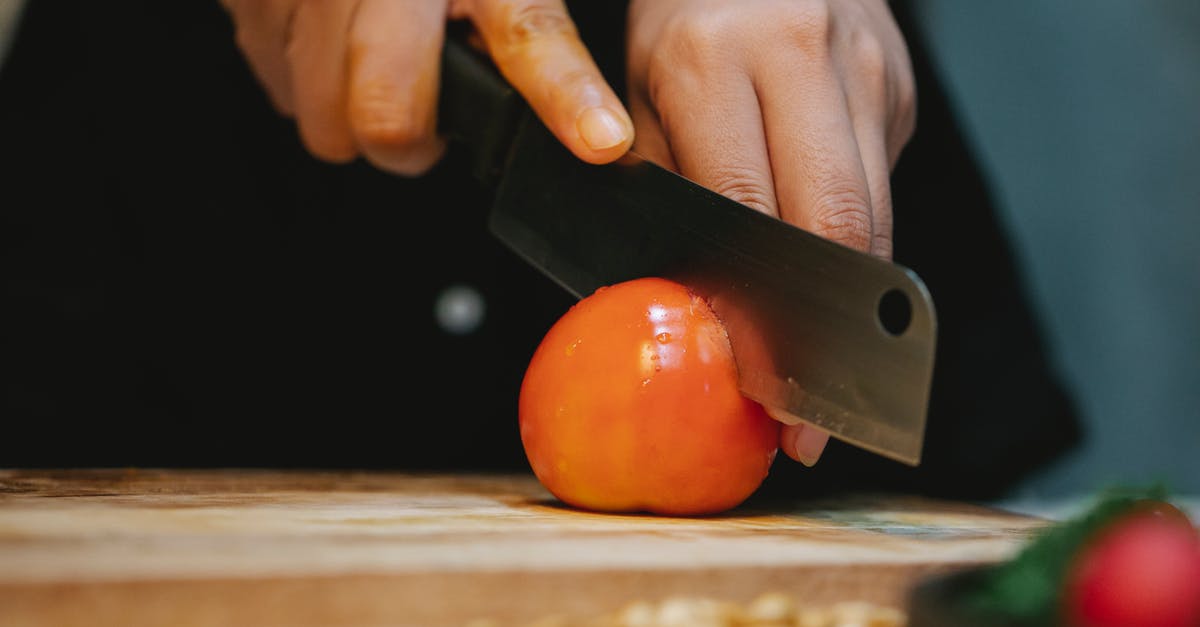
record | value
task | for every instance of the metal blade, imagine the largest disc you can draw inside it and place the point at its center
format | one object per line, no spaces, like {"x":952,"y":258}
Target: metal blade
{"x":837,"y":338}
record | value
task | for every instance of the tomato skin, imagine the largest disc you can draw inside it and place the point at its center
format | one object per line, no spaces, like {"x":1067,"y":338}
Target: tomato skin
{"x":630,"y":403}
{"x":1142,"y":570}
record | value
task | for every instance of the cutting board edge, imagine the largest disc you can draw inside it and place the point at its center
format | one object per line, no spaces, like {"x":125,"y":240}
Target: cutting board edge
{"x":436,"y":599}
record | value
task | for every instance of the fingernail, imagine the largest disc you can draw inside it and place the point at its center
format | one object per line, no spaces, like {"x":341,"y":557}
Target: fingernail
{"x":601,"y":128}
{"x":809,"y":443}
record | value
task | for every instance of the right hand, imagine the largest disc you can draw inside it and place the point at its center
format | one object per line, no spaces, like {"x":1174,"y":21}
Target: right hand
{"x":797,"y":108}
{"x":361,"y":77}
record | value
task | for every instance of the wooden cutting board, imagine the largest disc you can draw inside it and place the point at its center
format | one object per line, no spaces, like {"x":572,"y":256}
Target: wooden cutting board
{"x":261,"y":548}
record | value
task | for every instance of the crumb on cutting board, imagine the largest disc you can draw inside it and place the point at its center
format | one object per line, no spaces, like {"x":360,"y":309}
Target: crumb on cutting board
{"x":771,"y":609}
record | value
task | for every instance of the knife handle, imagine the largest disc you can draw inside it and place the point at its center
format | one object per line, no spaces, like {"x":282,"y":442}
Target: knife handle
{"x":477,"y":108}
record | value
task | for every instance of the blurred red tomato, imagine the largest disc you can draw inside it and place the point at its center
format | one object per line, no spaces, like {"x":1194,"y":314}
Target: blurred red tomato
{"x":1141,"y":570}
{"x":631,"y":403}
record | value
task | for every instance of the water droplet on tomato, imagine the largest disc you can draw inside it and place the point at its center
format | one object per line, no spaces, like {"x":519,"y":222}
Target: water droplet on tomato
{"x":663,"y":337}
{"x":645,"y":382}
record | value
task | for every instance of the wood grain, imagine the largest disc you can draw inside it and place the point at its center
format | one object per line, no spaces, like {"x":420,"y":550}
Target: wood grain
{"x":258,"y":547}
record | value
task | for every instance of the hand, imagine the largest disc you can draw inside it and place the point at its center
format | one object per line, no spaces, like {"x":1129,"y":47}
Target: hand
{"x":360,"y":77}
{"x":798,"y":108}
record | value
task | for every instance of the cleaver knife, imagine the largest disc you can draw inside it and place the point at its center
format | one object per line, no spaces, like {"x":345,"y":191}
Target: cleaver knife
{"x":821,"y":333}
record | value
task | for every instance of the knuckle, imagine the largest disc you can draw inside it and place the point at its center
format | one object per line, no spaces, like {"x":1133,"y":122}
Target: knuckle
{"x":808,"y":24}
{"x":530,"y":21}
{"x":382,"y":114}
{"x":881,"y":246}
{"x":699,"y":40}
{"x":870,"y":57}
{"x":690,"y":50}
{"x":881,"y":235}
{"x":843,"y":214}
{"x":394,"y":131}
{"x":698,"y":32}
{"x":745,"y":186}
{"x":567,"y":84}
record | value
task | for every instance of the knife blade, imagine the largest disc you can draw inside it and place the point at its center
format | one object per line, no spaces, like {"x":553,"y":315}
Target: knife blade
{"x":822,"y":333}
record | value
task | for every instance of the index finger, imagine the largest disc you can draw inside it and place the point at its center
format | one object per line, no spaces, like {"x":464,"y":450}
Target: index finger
{"x":537,"y":48}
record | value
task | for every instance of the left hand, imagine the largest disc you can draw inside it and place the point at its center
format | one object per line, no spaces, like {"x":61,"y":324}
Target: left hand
{"x":797,"y":108}
{"x":361,"y":77}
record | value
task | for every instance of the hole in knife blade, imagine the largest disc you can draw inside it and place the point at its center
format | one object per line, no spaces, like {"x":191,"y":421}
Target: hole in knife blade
{"x":895,"y":312}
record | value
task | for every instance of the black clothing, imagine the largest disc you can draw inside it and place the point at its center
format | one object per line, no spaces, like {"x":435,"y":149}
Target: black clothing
{"x":183,"y":285}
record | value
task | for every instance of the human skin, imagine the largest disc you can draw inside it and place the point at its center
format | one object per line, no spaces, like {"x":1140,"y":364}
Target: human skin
{"x":797,"y":108}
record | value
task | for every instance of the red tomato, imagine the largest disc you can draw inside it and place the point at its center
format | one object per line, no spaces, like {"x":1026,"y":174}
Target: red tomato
{"x":630,"y":403}
{"x":1142,"y":570}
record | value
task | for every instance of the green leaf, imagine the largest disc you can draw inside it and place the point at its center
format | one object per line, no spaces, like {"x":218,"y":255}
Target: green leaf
{"x":1027,"y":589}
